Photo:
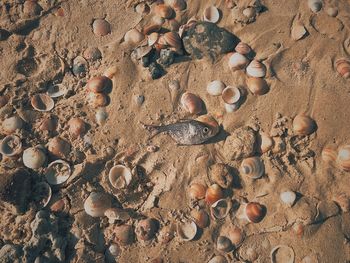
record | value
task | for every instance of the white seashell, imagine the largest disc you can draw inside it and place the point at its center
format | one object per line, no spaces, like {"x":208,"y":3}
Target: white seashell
{"x":33,"y":157}
{"x":288,"y":198}
{"x":243,"y":48}
{"x":42,"y":194}
{"x":249,"y":12}
{"x":252,"y":167}
{"x":211,"y":14}
{"x":187,"y":230}
{"x":215,"y":87}
{"x":237,"y":61}
{"x":286,"y":254}
{"x":231,"y":95}
{"x":265,"y":142}
{"x":315,"y":5}
{"x":97,"y":203}
{"x":58,"y":172}
{"x":12,"y":124}
{"x":221,"y":208}
{"x":11,"y":145}
{"x":343,"y":158}
{"x":133,"y":36}
{"x":57,"y":90}
{"x":332,"y":11}
{"x":256,"y":69}
{"x":231,"y":107}
{"x":120,"y":176}
{"x":42,"y":102}
{"x":101,"y":116}
{"x":153,"y":38}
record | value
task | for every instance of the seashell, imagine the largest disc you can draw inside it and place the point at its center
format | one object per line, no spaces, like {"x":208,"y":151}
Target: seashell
{"x":252,"y":167}
{"x":218,"y":259}
{"x":236,"y":235}
{"x":249,"y":12}
{"x":31,"y":8}
{"x":282,"y":254}
{"x":11,"y":145}
{"x":223,"y":244}
{"x":59,"y":147}
{"x":166,"y":234}
{"x":177,"y":5}
{"x":298,"y":229}
{"x":332,"y":11}
{"x":142,"y":9}
{"x":255,"y":212}
{"x":256,"y":69}
{"x":231,"y":107}
{"x":111,"y":71}
{"x":315,"y":5}
{"x":298,"y":31}
{"x":77,"y":127}
{"x":97,"y":203}
{"x":210,"y":121}
{"x":97,"y":99}
{"x":58,"y":90}
{"x":288,"y":198}
{"x":42,"y":102}
{"x":200,"y":217}
{"x":220,"y":174}
{"x":120,"y":176}
{"x":114,"y":250}
{"x":303,"y":125}
{"x":153,"y":38}
{"x":343,"y":67}
{"x":343,"y":201}
{"x":243,"y":48}
{"x":3,"y":100}
{"x":101,"y":27}
{"x":310,"y":259}
{"x":146,"y":229}
{"x":101,"y":116}
{"x":124,"y":234}
{"x":186,"y":230}
{"x":58,"y":172}
{"x":343,"y":158}
{"x":42,"y":194}
{"x":12,"y":124}
{"x":164,"y":11}
{"x":116,"y":214}
{"x":329,"y":155}
{"x":98,"y":84}
{"x":80,"y":67}
{"x":215,"y":87}
{"x":231,"y":95}
{"x":173,"y":39}
{"x":213,"y":194}
{"x":211,"y":14}
{"x":61,"y":205}
{"x":197,"y":191}
{"x":221,"y":208}
{"x":265,"y":142}
{"x":192,"y":103}
{"x":153,"y":28}
{"x":133,"y":36}
{"x":92,"y":53}
{"x":173,"y":25}
{"x":237,"y":61}
{"x":48,"y":124}
{"x":257,"y":86}
{"x":33,"y":157}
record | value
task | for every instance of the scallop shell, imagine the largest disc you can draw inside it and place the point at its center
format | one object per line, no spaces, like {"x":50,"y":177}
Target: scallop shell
{"x":146,"y":229}
{"x":329,"y":154}
{"x":153,"y":38}
{"x":97,"y":203}
{"x":231,"y":95}
{"x":173,"y":39}
{"x":343,"y":67}
{"x":164,"y":11}
{"x":257,"y":86}
{"x":42,"y":194}
{"x":77,"y":127}
{"x":12,"y":124}
{"x":200,"y":217}
{"x":98,"y":84}
{"x":177,"y":5}
{"x":343,"y":158}
{"x":133,"y":36}
{"x":42,"y":102}
{"x":210,"y":121}
{"x":218,"y":259}
{"x":288,"y":198}
{"x":215,"y":87}
{"x":213,"y":194}
{"x":58,"y":90}
{"x":116,"y":214}
{"x":124,"y":234}
{"x":243,"y":48}
{"x":265,"y":142}
{"x":221,"y":208}
{"x":224,"y":244}
{"x":192,"y":103}
{"x":196,"y":191}
{"x":101,"y":27}
{"x":237,"y":61}
{"x":97,"y":100}
{"x":186,"y":230}
{"x":120,"y":176}
{"x":11,"y":145}
{"x":286,"y":254}
{"x":303,"y":125}
{"x":33,"y":157}
{"x":254,"y":212}
{"x":252,"y":167}
{"x":58,"y":172}
{"x":59,"y":147}
{"x":219,"y":174}
{"x":315,"y":5}
{"x":256,"y":69}
{"x":211,"y":14}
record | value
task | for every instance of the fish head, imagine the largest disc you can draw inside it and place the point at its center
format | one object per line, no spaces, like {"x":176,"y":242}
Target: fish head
{"x":207,"y":131}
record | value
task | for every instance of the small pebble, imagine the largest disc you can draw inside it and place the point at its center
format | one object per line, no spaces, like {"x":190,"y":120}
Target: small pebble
{"x":155,"y":70}
{"x":139,"y":99}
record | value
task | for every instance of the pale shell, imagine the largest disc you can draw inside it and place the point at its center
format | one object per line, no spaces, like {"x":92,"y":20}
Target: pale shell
{"x":256,"y":69}
{"x":11,"y":145}
{"x":231,"y":107}
{"x":192,"y":103}
{"x":303,"y":125}
{"x":243,"y":48}
{"x":101,"y":116}
{"x":237,"y":61}
{"x":343,"y":158}
{"x":97,"y":100}
{"x":332,"y":11}
{"x":343,"y":67}
{"x":133,"y":36}
{"x":164,"y":11}
{"x":142,"y":8}
{"x":57,"y":90}
{"x":288,"y":198}
{"x":42,"y":102}
{"x":252,"y":167}
{"x":33,"y":157}
{"x":116,"y":214}
{"x":257,"y":86}
{"x":120,"y":176}
{"x":221,"y":208}
{"x":265,"y":142}
{"x":249,"y":12}
{"x":315,"y":5}
{"x":98,"y":84}
{"x":58,"y":172}
{"x":231,"y":95}
{"x":101,"y":27}
{"x":215,"y":87}
{"x":218,"y":259}
{"x":42,"y":194}
{"x":114,"y":250}
{"x":287,"y":253}
{"x":59,"y":147}
{"x":97,"y":203}
{"x":12,"y":124}
{"x":236,"y":235}
{"x":153,"y":38}
{"x":187,"y":230}
{"x":211,"y":14}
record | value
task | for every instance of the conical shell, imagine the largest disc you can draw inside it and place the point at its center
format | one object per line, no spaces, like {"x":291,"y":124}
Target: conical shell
{"x":211,"y":14}
{"x":252,"y":167}
{"x":173,"y":39}
{"x":58,"y":172}
{"x":257,"y":86}
{"x":11,"y":145}
{"x":213,"y":194}
{"x":282,"y":251}
{"x":12,"y":124}
{"x":215,"y":87}
{"x":97,"y":203}
{"x":343,"y":67}
{"x":256,"y":69}
{"x":192,"y":103}
{"x":343,"y":158}
{"x":315,"y":5}
{"x":42,"y":102}
{"x":255,"y":212}
{"x":221,"y":208}
{"x":243,"y":48}
{"x":237,"y":61}
{"x":133,"y":36}
{"x":303,"y":125}
{"x":164,"y":11}
{"x":186,"y":230}
{"x":288,"y":198}
{"x":120,"y":176}
{"x":231,"y":95}
{"x":33,"y":157}
{"x":196,"y":191}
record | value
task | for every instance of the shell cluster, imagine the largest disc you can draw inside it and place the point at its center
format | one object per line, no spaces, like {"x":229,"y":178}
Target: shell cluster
{"x":97,"y":88}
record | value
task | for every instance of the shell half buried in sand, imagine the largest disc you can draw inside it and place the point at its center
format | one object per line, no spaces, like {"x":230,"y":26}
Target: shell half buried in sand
{"x":120,"y":176}
{"x":58,"y":172}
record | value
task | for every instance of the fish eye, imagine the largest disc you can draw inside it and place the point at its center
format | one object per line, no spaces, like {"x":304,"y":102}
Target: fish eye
{"x":205,"y":129}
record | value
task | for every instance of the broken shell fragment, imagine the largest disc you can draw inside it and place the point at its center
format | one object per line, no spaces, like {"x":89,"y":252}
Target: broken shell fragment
{"x":343,"y":158}
{"x":34,"y":157}
{"x":133,"y":36}
{"x":97,"y":100}
{"x":98,"y":84}
{"x":97,"y":203}
{"x":42,"y":102}
{"x":200,"y":217}
{"x":146,"y":229}
{"x":42,"y":194}
{"x":211,"y":14}
{"x":163,"y":11}
{"x":315,"y":5}
{"x":298,"y":31}
{"x":237,"y":61}
{"x":224,"y":244}
{"x":196,"y":191}
{"x":303,"y":125}
{"x":231,"y":95}
{"x":101,"y":27}
{"x":252,"y":167}
{"x":255,"y":212}
{"x":221,"y":208}
{"x":58,"y":90}
{"x":11,"y":145}
{"x":288,"y":198}
{"x":58,"y":172}
{"x":215,"y":87}
{"x":218,"y":259}
{"x":77,"y":127}
{"x":213,"y":194}
{"x":12,"y":124}
{"x":282,"y":254}
{"x":59,"y":147}
{"x":192,"y":103}
{"x":186,"y":230}
{"x":120,"y":176}
{"x":343,"y":67}
{"x":116,"y":214}
{"x":220,"y":175}
{"x":243,"y":48}
{"x":257,"y":86}
{"x":256,"y":69}
{"x":124,"y":234}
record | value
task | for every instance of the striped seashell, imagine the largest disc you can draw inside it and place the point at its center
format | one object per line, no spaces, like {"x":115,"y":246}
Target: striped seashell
{"x":252,"y":167}
{"x":255,"y":212}
{"x":231,"y":95}
{"x":329,"y":155}
{"x":257,"y":86}
{"x":243,"y":48}
{"x":303,"y":125}
{"x":343,"y":158}
{"x":343,"y":67}
{"x":256,"y":69}
{"x":164,"y":11}
{"x":237,"y":61}
{"x":173,"y":39}
{"x":213,"y":194}
{"x":192,"y":103}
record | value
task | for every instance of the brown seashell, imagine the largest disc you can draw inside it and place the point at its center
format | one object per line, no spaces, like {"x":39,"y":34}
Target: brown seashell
{"x":101,"y":27}
{"x":33,"y":157}
{"x":224,"y":244}
{"x":210,"y":121}
{"x":31,"y":8}
{"x":329,"y":154}
{"x":177,"y":5}
{"x":146,"y":229}
{"x":343,"y":158}
{"x":343,"y":67}
{"x":236,"y":235}
{"x":120,"y":176}
{"x":11,"y":145}
{"x":221,"y":208}
{"x":265,"y":142}
{"x":142,"y":9}
{"x":133,"y":36}
{"x":252,"y":167}
{"x":200,"y":217}
{"x":98,"y":84}
{"x":303,"y":125}
{"x":257,"y":86}
{"x":256,"y":69}
{"x":186,"y":230}
{"x":97,"y":203}
{"x":213,"y":194}
{"x":237,"y":61}
{"x":77,"y":127}
{"x":243,"y":48}
{"x":218,"y":259}
{"x":12,"y":124}
{"x":211,"y":14}
{"x":151,"y":29}
{"x":173,"y":25}
{"x":48,"y":124}
{"x":255,"y":212}
{"x":166,"y":234}
{"x":231,"y":95}
{"x":3,"y":100}
{"x":192,"y":103}
{"x":197,"y":191}
{"x":42,"y":102}
{"x":60,"y":205}
{"x":92,"y":53}
{"x":164,"y":11}
{"x":97,"y":100}
{"x":59,"y":147}
{"x":124,"y":234}
{"x":220,"y":175}
{"x":173,"y":39}
{"x":343,"y":201}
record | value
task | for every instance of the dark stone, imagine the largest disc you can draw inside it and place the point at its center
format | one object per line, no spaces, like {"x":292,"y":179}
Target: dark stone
{"x":205,"y":39}
{"x":166,"y":57}
{"x":145,"y":61}
{"x":155,"y":70}
{"x":4,"y":34}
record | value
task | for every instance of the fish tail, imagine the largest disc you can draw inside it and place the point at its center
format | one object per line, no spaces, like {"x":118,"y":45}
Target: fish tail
{"x":153,"y":129}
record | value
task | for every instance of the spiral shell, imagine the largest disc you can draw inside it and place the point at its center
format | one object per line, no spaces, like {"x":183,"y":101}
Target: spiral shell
{"x":33,"y":157}
{"x":98,"y":84}
{"x":187,"y":230}
{"x":343,"y":158}
{"x":252,"y":167}
{"x":343,"y":67}
{"x":215,"y":87}
{"x":192,"y":103}
{"x":224,"y":244}
{"x":120,"y":176}
{"x":231,"y":95}
{"x":146,"y":229}
{"x":11,"y":145}
{"x":12,"y":124}
{"x":200,"y":217}
{"x":255,"y":212}
{"x":213,"y":194}
{"x":77,"y":127}
{"x":315,"y":5}
{"x":59,"y":147}
{"x":288,"y":198}
{"x":196,"y":191}
{"x":329,"y":154}
{"x":257,"y":86}
{"x":211,"y":14}
{"x":303,"y":125}
{"x":101,"y":27}
{"x":256,"y":69}
{"x":237,"y":61}
{"x":58,"y":172}
{"x":221,"y":208}
{"x":42,"y":102}
{"x":133,"y":36}
{"x":164,"y":11}
{"x":243,"y":48}
{"x":173,"y":39}
{"x":97,"y":203}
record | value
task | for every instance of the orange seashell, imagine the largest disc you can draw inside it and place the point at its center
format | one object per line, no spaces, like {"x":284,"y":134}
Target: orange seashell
{"x":329,"y":154}
{"x":192,"y":103}
{"x":343,"y":67}
{"x":98,"y":84}
{"x":164,"y":11}
{"x":77,"y":127}
{"x":173,"y":39}
{"x":243,"y":48}
{"x":257,"y":86}
{"x":255,"y":212}
{"x":200,"y":217}
{"x":213,"y":194}
{"x":304,"y":125}
{"x":101,"y":27}
{"x":59,"y":147}
{"x":197,"y":191}
{"x":343,"y":158}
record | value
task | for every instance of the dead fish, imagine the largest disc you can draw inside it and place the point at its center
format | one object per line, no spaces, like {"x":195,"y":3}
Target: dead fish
{"x":185,"y":132}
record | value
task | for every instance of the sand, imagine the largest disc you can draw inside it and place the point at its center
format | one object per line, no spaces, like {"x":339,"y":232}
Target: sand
{"x":302,"y":78}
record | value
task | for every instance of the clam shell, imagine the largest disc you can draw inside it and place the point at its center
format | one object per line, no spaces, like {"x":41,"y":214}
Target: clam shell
{"x":215,"y":87}
{"x":224,"y":244}
{"x":231,"y":107}
{"x":236,"y":235}
{"x":343,"y":67}
{"x":12,"y":124}
{"x":133,"y":36}
{"x":343,"y":158}
{"x":153,"y":38}
{"x":213,"y":194}
{"x":255,"y":212}
{"x":42,"y":194}
{"x":303,"y":125}
{"x":282,"y":254}
{"x":249,"y":12}
{"x":196,"y":191}
{"x":200,"y":217}
{"x":256,"y":69}
{"x":92,"y":54}
{"x":329,"y":154}
{"x":220,"y":175}
{"x":257,"y":86}
{"x":265,"y":142}
{"x":221,"y":208}
{"x":120,"y":176}
{"x":210,"y":121}
{"x":58,"y":172}
{"x":237,"y":61}
{"x":146,"y":229}
{"x":173,"y":39}
{"x":48,"y":124}
{"x":77,"y":127}
{"x":243,"y":48}
{"x":332,"y":11}
{"x":288,"y":198}
{"x":252,"y":167}
{"x":315,"y":5}
{"x":3,"y":100}
{"x":192,"y":103}
{"x":59,"y":147}
{"x":42,"y":102}
{"x":11,"y":145}
{"x":58,"y":90}
{"x":98,"y":84}
{"x":218,"y":259}
{"x":186,"y":230}
{"x":211,"y":14}
{"x":33,"y":157}
{"x":177,"y":5}
{"x":124,"y":234}
{"x":164,"y":11}
{"x":231,"y":95}
{"x":97,"y":203}
{"x":101,"y":27}
{"x":97,"y":100}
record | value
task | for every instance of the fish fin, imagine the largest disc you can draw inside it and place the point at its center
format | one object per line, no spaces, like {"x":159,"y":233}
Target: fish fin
{"x":153,"y":129}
